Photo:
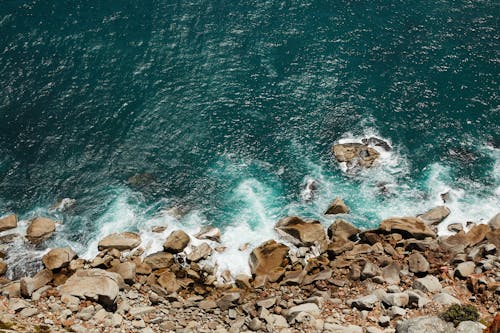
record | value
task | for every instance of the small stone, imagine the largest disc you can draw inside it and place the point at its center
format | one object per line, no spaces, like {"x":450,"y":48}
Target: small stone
{"x":384,"y":321}
{"x":266,"y":302}
{"x":369,"y":270}
{"x":86,"y":313}
{"x":141,"y":310}
{"x":396,"y":299}
{"x":465,"y":269}
{"x":395,"y":311}
{"x":139,"y":323}
{"x":255,"y":324}
{"x":116,"y":320}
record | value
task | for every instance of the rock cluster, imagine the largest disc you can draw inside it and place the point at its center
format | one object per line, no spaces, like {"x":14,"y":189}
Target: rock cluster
{"x":395,"y":278}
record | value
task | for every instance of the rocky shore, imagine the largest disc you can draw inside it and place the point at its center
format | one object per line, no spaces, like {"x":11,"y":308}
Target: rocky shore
{"x":400,"y":277}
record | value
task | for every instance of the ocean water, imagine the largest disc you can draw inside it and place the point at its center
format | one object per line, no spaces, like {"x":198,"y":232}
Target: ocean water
{"x":230,"y":108}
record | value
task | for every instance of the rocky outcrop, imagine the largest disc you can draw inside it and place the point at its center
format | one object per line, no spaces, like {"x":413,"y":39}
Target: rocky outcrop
{"x":121,"y":241}
{"x":302,"y":233}
{"x":408,"y":227}
{"x":435,"y":215}
{"x":8,"y":222}
{"x":337,"y":207}
{"x":355,"y":154}
{"x":94,"y":284}
{"x":39,"y":229}
{"x":58,"y":258}
{"x":176,"y":242}
{"x":268,"y":260}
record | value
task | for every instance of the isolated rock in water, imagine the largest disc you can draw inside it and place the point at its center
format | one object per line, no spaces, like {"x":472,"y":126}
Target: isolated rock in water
{"x":268,"y":260}
{"x":342,"y":229}
{"x":159,"y":260}
{"x":309,"y":190}
{"x":176,"y":242}
{"x":302,"y":233}
{"x":210,"y":233}
{"x":120,"y":241}
{"x":494,"y":223}
{"x":8,"y":222}
{"x":425,"y":324}
{"x":355,"y":154}
{"x":62,"y":205}
{"x":410,"y":227}
{"x":95,"y":284}
{"x":29,"y":285}
{"x":58,"y":258}
{"x":337,"y":207}
{"x":40,"y":229}
{"x":200,"y":252}
{"x":470,"y":327}
{"x":435,"y":215}
{"x":374,"y":141}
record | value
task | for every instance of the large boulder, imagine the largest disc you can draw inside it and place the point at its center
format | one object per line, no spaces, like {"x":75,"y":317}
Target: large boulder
{"x":159,"y":260}
{"x":200,"y":252}
{"x":343,"y":230}
{"x":58,"y":258}
{"x":176,"y":242}
{"x":210,"y":233}
{"x":31,"y":284}
{"x":39,"y":229}
{"x":8,"y":222}
{"x":121,"y":241}
{"x":494,"y":223}
{"x":425,"y":324}
{"x":302,"y":233}
{"x":268,"y":260}
{"x":126,"y":270}
{"x":435,"y":215}
{"x":355,"y":154}
{"x":337,"y":207}
{"x":409,"y":227}
{"x":477,"y":234}
{"x":94,"y":284}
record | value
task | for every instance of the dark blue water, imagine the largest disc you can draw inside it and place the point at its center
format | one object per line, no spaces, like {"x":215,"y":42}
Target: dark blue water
{"x":230,"y":107}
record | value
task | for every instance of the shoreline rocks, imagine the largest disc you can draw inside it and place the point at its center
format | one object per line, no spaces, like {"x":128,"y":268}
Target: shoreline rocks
{"x":39,"y":229}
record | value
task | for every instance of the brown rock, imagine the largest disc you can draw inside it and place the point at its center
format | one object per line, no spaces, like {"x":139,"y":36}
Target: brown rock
{"x":8,"y":222}
{"x":3,"y":267}
{"x":494,"y":238}
{"x":200,"y":252}
{"x":210,"y":233}
{"x":338,"y":246}
{"x":126,"y":271}
{"x":337,"y":207}
{"x":494,"y":223}
{"x":407,"y":227}
{"x":418,"y":264}
{"x":435,"y":215}
{"x":302,"y":233}
{"x":29,"y":285}
{"x":40,"y":229}
{"x":477,"y":234}
{"x":269,"y":260}
{"x":159,"y":260}
{"x":176,"y":242}
{"x":342,"y":229}
{"x":94,"y":284}
{"x":168,"y":281}
{"x":355,"y":154}
{"x":454,"y":243}
{"x":121,"y":241}
{"x":58,"y":258}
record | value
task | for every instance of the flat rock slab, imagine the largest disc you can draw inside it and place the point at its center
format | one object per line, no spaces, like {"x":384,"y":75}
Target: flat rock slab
{"x":120,"y":241}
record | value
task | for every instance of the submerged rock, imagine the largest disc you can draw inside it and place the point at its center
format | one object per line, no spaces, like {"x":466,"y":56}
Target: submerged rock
{"x":120,"y":241}
{"x":141,"y":179}
{"x":62,"y":205}
{"x":374,"y":141}
{"x":40,"y":229}
{"x":408,"y":227}
{"x":355,"y":155}
{"x":302,"y":233}
{"x":176,"y":242}
{"x":58,"y":258}
{"x":268,"y":260}
{"x":8,"y":222}
{"x":337,"y":207}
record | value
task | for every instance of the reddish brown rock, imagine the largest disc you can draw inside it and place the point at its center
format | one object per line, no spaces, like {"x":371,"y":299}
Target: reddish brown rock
{"x":477,"y":234}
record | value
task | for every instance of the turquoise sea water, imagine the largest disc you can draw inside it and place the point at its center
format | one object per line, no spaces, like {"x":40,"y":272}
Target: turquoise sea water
{"x":233,"y":106}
